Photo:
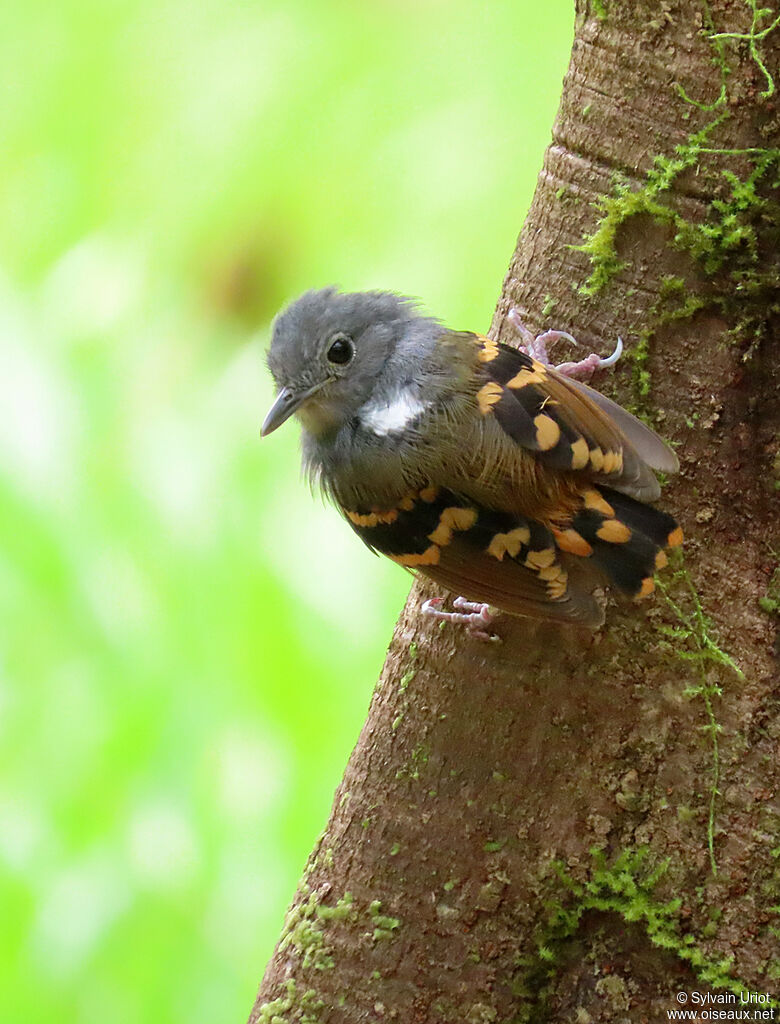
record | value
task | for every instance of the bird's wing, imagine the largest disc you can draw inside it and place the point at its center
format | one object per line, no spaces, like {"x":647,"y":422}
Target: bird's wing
{"x":567,"y":425}
{"x":485,"y":555}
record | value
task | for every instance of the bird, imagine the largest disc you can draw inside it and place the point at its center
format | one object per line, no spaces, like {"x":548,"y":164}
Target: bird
{"x":473,"y":463}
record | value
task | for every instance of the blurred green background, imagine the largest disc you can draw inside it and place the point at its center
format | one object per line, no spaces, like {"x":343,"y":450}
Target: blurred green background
{"x":188,"y":642}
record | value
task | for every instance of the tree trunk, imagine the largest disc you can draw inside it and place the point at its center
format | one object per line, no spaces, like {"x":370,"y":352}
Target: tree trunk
{"x":575,"y":826}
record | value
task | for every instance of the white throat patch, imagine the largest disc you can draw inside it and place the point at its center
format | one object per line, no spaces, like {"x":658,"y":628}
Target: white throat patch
{"x":393,"y":415}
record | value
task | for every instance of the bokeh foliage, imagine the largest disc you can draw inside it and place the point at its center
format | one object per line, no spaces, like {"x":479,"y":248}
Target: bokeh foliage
{"x":188,"y":642}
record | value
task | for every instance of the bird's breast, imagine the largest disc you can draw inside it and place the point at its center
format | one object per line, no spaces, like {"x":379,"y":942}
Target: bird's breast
{"x":394,"y":414}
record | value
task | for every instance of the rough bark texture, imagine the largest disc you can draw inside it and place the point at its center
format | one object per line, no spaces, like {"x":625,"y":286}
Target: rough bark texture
{"x":528,"y":832}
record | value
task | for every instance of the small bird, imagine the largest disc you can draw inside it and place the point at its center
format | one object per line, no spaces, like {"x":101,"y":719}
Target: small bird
{"x":476,"y":464}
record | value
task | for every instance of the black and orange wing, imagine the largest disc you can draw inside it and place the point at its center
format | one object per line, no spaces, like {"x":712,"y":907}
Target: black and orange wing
{"x":502,"y":559}
{"x":607,"y":453}
{"x":567,"y":425}
{"x":517,"y":563}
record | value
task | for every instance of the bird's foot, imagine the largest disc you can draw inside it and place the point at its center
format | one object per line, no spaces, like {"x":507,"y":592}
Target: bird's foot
{"x":536,"y":347}
{"x":476,"y":616}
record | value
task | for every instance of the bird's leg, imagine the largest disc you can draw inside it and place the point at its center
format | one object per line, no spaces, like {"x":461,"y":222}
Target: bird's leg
{"x":476,"y":616}
{"x":536,"y":347}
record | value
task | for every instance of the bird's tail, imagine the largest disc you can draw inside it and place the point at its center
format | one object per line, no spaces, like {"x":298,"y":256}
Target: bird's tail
{"x":625,"y":538}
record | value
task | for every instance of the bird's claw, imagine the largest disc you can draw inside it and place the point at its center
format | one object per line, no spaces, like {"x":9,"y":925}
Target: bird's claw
{"x":536,"y":347}
{"x":475,"y":615}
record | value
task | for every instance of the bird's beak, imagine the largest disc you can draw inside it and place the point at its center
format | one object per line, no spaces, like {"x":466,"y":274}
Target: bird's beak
{"x":285,"y":404}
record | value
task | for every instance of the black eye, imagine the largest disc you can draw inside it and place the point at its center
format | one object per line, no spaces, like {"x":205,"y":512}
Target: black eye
{"x":341,"y":349}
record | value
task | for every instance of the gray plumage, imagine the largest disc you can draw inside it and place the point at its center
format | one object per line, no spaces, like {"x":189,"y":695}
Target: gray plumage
{"x":396,"y":353}
{"x":394,"y":406}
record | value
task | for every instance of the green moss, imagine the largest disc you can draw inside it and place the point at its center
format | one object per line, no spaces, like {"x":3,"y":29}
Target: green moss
{"x":406,"y":678}
{"x":291,"y":1007}
{"x":411,"y":672}
{"x":765,"y":21}
{"x":303,"y":933}
{"x":626,"y":203}
{"x":718,"y":59}
{"x":693,"y":641}
{"x":271,"y":1012}
{"x":304,"y":929}
{"x":384,"y":926}
{"x":600,"y":246}
{"x":549,"y":305}
{"x":413,"y":769}
{"x":640,"y":374}
{"x":344,"y":910}
{"x":625,"y":887}
{"x":564,"y":194}
{"x":727,"y":237}
{"x":671,"y":287}
{"x":729,"y":232}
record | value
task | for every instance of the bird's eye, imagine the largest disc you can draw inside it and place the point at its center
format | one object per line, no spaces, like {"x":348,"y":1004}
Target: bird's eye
{"x":341,"y":349}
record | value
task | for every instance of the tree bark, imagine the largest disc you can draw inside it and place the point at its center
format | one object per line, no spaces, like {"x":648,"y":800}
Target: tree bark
{"x":575,"y":826}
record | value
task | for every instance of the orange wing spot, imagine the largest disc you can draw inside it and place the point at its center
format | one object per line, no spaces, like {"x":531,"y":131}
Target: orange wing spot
{"x":661,"y":560}
{"x":571,"y":541}
{"x":551,"y":573}
{"x":540,"y":368}
{"x":450,"y":520}
{"x":489,"y":349}
{"x":594,"y":500}
{"x":596,"y":459}
{"x":613,"y":531}
{"x":580,"y":454}
{"x":557,"y":588}
{"x":675,"y":538}
{"x":372,"y":519}
{"x":613,"y":462}
{"x":648,"y":586}
{"x":548,"y":432}
{"x":430,"y":556}
{"x":488,"y":395}
{"x":537,"y":375}
{"x":509,"y":543}
{"x":541,"y":559}
{"x":429,"y":494}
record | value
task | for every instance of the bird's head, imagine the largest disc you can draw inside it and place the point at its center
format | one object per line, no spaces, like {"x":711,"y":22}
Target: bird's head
{"x":327,"y":351}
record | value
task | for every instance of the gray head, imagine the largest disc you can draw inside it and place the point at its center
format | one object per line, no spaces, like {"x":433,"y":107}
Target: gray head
{"x":327,"y":350}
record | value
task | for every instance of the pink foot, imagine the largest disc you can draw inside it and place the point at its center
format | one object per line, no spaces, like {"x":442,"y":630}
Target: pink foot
{"x":536,"y":347}
{"x":475,"y":616}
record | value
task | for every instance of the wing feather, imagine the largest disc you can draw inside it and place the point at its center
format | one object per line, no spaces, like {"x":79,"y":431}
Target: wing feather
{"x":503,"y":559}
{"x":566,"y":424}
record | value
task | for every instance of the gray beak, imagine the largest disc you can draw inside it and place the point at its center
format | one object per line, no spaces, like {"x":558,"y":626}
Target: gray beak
{"x":285,"y":404}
